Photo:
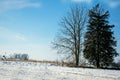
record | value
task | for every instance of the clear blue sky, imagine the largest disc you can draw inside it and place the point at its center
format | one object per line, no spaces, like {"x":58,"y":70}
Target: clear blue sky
{"x":29,"y":26}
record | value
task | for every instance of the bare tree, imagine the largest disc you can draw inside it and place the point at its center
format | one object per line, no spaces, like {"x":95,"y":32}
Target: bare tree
{"x":70,"y":38}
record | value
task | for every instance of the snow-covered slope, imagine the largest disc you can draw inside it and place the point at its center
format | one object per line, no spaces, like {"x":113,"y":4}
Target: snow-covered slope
{"x":39,"y":71}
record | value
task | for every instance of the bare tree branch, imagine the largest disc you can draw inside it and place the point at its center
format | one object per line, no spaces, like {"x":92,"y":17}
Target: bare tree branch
{"x":71,"y":34}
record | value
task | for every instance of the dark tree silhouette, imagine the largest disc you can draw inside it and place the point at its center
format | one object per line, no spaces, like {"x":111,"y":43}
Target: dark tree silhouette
{"x":99,"y":41}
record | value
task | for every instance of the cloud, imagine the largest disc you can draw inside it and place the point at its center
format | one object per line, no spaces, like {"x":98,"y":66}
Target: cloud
{"x":21,"y":37}
{"x":9,"y":35}
{"x":79,"y":1}
{"x":112,"y":3}
{"x":6,"y":5}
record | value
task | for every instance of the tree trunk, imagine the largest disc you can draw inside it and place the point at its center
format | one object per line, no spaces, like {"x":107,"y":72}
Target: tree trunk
{"x":98,"y":64}
{"x":77,"y":60}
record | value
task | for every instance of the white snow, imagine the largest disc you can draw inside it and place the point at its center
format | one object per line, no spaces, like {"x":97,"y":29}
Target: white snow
{"x":41,"y":71}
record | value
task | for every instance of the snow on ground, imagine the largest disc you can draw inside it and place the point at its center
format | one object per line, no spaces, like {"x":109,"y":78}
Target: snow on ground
{"x":39,"y":71}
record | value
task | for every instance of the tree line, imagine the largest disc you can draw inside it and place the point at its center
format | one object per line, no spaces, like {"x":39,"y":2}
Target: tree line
{"x":87,"y":33}
{"x":16,"y":56}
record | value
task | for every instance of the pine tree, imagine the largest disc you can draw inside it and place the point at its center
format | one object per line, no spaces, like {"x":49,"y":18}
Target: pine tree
{"x":99,"y":41}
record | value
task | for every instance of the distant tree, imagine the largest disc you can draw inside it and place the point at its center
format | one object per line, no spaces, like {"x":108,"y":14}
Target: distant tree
{"x":116,"y":65}
{"x":99,"y":46}
{"x":118,"y":62}
{"x":17,"y":56}
{"x":21,"y":56}
{"x":24,"y":57}
{"x":69,"y":41}
{"x":4,"y":57}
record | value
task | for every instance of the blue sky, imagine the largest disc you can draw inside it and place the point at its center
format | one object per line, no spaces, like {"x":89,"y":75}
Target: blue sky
{"x":29,"y":26}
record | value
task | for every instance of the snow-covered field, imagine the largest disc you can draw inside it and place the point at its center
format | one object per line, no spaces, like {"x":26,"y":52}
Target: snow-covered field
{"x":39,"y":71}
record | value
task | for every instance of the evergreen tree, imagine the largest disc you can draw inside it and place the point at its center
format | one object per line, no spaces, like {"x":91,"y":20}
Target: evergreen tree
{"x":99,"y":41}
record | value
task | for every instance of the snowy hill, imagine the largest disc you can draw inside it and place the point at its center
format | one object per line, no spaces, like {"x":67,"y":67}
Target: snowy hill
{"x":41,"y":71}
